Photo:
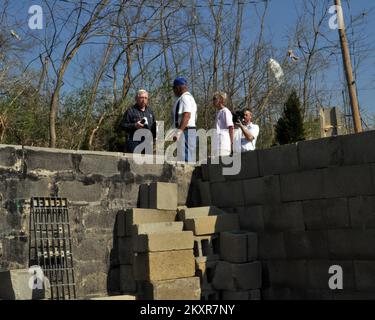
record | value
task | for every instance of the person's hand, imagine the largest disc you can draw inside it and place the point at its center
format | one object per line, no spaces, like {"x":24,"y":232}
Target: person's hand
{"x":238,"y":124}
{"x":177,"y":136}
{"x":139,"y":125}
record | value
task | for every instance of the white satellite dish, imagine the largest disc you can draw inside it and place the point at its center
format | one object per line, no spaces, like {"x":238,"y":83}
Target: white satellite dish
{"x":277,"y":70}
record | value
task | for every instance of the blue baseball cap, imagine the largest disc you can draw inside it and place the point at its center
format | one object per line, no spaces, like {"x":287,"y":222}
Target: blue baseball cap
{"x":179,"y":81}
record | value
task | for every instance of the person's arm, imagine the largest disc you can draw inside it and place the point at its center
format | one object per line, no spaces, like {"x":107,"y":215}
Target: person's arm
{"x":231,"y":135}
{"x":128,"y":123}
{"x":247,"y":134}
{"x":185,"y":120}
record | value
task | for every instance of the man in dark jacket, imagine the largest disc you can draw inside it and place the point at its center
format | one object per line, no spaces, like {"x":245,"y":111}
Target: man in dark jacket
{"x":139,"y":116}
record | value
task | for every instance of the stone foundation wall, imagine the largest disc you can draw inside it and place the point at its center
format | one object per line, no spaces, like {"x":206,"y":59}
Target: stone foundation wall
{"x":97,"y":184}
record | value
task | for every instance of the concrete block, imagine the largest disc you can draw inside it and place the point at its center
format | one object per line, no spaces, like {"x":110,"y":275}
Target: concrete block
{"x":252,"y":246}
{"x":261,"y":190}
{"x":351,"y":244}
{"x":320,"y":153}
{"x":205,"y":270}
{"x":171,"y":289}
{"x":286,"y":274}
{"x":163,"y":195}
{"x":319,"y":294}
{"x":125,"y":250}
{"x":120,"y":297}
{"x":205,"y":193}
{"x":144,"y":201}
{"x":242,"y":295}
{"x":159,"y":227}
{"x":145,"y":216}
{"x":359,"y":148}
{"x":8,"y":156}
{"x":326,"y":214}
{"x":120,"y":223}
{"x":249,"y":166}
{"x":113,"y":279}
{"x":227,"y":194}
{"x":362,"y":212}
{"x":337,"y":213}
{"x":215,"y":172}
{"x":271,"y":245}
{"x":233,"y":246}
{"x":127,"y":282}
{"x":279,"y":159}
{"x":364,"y":275}
{"x":302,"y":185}
{"x":348,"y":181}
{"x":212,"y":224}
{"x":238,"y":246}
{"x":163,"y":241}
{"x":155,"y":266}
{"x":237,"y":277}
{"x":353,"y":295}
{"x":189,"y":213}
{"x":210,"y":295}
{"x":205,"y":172}
{"x":306,"y":244}
{"x":207,"y":247}
{"x":251,"y":218}
{"x":276,"y":294}
{"x":14,"y":285}
{"x":319,"y":275}
{"x":53,"y":160}
{"x":283,"y":217}
{"x":103,"y":165}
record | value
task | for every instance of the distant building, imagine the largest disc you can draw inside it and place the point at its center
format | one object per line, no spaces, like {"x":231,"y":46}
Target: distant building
{"x":332,"y":122}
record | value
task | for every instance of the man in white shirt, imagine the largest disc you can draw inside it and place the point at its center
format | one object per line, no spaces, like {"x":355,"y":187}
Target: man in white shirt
{"x":248,"y":132}
{"x":184,"y":117}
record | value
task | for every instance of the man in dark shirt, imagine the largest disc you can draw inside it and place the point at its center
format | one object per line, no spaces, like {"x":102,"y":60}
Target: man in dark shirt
{"x":139,"y":116}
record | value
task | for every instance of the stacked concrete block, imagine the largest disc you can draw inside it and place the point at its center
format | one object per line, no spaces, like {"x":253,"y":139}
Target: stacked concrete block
{"x":238,"y":246}
{"x":132,"y":222}
{"x":163,"y":196}
{"x":206,"y":224}
{"x":144,"y":195}
{"x":164,"y":262}
{"x":238,"y":275}
{"x":163,"y":253}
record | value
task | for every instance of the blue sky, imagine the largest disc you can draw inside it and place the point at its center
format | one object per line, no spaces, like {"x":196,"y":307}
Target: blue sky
{"x":282,"y":15}
{"x":280,"y":19}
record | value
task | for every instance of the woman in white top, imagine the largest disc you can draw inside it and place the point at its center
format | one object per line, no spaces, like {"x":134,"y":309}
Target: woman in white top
{"x":224,"y":126}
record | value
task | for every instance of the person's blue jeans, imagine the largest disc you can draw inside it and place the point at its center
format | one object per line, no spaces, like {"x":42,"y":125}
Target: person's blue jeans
{"x":190,"y":145}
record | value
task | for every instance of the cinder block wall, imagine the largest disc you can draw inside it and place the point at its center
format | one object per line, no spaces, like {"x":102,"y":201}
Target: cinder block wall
{"x":313,"y":206}
{"x":97,"y":185}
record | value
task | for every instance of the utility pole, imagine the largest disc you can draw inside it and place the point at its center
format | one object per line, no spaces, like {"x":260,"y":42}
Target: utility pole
{"x":348,"y":69}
